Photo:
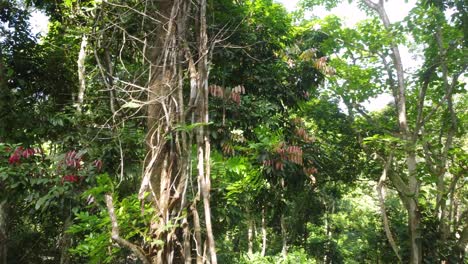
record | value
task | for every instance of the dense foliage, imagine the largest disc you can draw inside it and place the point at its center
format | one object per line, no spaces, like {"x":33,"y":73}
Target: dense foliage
{"x":232,"y":132}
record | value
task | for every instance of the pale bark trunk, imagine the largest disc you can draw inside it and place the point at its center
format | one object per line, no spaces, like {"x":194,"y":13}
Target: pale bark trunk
{"x":381,"y":194}
{"x":328,"y":211}
{"x":441,"y":190}
{"x":415,"y":232}
{"x":284,"y":237}
{"x":197,"y":235}
{"x":3,"y":79}
{"x":81,"y":72}
{"x":284,"y":233}
{"x":115,"y":235}
{"x":203,"y":89}
{"x":250,"y":236}
{"x":408,"y":191}
{"x":110,"y":79}
{"x":187,"y":244}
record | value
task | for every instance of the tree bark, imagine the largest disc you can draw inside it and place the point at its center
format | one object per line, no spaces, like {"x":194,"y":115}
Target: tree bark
{"x":250,"y":236}
{"x":115,"y":235}
{"x":409,"y":190}
{"x":381,"y":194}
{"x":264,"y":233}
{"x":414,"y":218}
{"x":284,"y":237}
{"x":65,"y":242}
{"x":81,"y":72}
{"x":197,"y":235}
{"x":3,"y":233}
{"x":203,"y":74}
{"x":167,"y":165}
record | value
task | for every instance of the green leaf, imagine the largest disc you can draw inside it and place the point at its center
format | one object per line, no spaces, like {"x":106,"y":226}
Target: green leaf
{"x":41,"y":201}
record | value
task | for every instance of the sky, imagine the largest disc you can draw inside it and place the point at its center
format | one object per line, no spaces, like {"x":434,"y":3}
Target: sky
{"x":351,"y":15}
{"x":396,"y":9}
{"x":39,"y":23}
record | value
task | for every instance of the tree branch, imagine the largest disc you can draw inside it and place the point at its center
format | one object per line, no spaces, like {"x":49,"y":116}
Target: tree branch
{"x":400,"y":185}
{"x":380,"y":191}
{"x":138,"y":251}
{"x":81,"y":72}
{"x":452,"y":86}
{"x":397,"y":62}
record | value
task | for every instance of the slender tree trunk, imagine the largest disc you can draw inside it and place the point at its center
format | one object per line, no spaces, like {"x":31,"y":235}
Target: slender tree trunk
{"x":65,"y":242}
{"x":3,"y":77}
{"x":197,"y":235}
{"x":3,"y":232}
{"x":329,"y":211}
{"x":81,"y":72}
{"x":203,"y":74}
{"x":284,"y":232}
{"x":110,"y":79}
{"x":250,"y":236}
{"x":284,"y":237}
{"x":408,"y":191}
{"x":264,"y":233}
{"x":381,"y":194}
{"x":115,"y":234}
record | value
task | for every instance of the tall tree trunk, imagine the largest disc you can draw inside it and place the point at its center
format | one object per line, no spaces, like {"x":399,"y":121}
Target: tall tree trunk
{"x":329,"y":210}
{"x":167,"y":165}
{"x":264,"y":232}
{"x":381,"y":194}
{"x":197,"y":235}
{"x":81,"y":72}
{"x":284,"y":232}
{"x":414,"y":218}
{"x":203,"y":74}
{"x":284,"y":237}
{"x":3,"y":232}
{"x":409,"y":190}
{"x":250,"y":235}
{"x":65,"y":242}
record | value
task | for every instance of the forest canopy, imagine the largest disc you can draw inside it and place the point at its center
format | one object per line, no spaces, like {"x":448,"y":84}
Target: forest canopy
{"x":222,"y":131}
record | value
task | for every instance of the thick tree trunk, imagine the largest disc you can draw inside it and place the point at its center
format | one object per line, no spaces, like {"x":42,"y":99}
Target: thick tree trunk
{"x":166,"y":163}
{"x":414,"y":220}
{"x":166,"y":176}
